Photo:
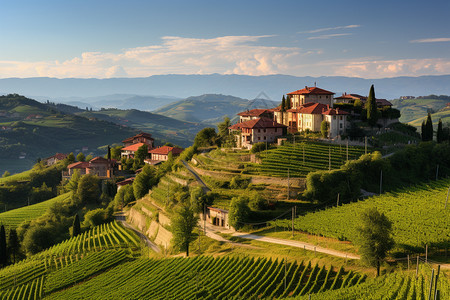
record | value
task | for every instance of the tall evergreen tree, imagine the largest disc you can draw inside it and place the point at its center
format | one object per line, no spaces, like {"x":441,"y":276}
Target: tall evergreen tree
{"x":283,"y":104}
{"x":3,"y":250}
{"x":371,"y":107}
{"x":423,"y":132}
{"x":429,"y":128}
{"x":440,"y":132}
{"x":76,"y":228}
{"x":13,"y":244}
{"x":288,"y":102}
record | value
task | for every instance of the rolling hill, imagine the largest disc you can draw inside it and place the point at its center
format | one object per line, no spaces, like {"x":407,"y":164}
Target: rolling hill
{"x":210,"y":108}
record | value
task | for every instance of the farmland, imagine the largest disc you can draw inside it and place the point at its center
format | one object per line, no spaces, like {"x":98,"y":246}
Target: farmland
{"x":418,"y":215}
{"x":304,"y":157}
{"x":15,"y":217}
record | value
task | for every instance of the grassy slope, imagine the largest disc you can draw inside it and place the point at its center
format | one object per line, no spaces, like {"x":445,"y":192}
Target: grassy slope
{"x":413,"y":111}
{"x":161,"y":127}
{"x":52,"y":132}
{"x":417,"y":214}
{"x":14,"y":217}
{"x":206,"y":108}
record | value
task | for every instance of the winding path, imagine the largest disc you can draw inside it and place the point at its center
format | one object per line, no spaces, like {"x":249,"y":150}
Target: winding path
{"x":205,"y":187}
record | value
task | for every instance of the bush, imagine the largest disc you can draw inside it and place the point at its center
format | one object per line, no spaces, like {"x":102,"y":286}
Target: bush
{"x":239,"y":212}
{"x":258,"y":147}
{"x":257,"y":202}
{"x":96,"y":217}
{"x":237,"y":182}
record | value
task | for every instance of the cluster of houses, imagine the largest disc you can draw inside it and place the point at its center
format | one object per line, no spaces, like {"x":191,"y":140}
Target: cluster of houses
{"x":106,"y":168}
{"x":308,"y":108}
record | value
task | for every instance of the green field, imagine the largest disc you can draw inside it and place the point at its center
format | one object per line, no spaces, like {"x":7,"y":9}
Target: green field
{"x":304,"y":157}
{"x":418,"y":215}
{"x":400,"y":285}
{"x":15,"y":217}
{"x":209,"y":278}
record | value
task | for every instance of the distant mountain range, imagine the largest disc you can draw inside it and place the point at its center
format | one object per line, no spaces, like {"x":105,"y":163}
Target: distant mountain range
{"x":243,"y":86}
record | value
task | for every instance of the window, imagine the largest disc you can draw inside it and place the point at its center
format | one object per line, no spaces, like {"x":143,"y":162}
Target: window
{"x":264,"y":130}
{"x":259,"y":130}
{"x":340,"y":118}
{"x":259,"y":138}
{"x":276,"y":129}
{"x":264,"y":137}
{"x":340,"y":125}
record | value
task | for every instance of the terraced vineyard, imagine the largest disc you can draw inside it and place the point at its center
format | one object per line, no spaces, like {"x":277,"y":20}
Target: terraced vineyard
{"x":400,"y":285}
{"x":209,"y":278}
{"x":68,"y":263}
{"x":418,"y":215}
{"x":14,"y":217}
{"x":304,"y":157}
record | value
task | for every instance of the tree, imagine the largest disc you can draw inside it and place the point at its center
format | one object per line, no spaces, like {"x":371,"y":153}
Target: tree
{"x":375,"y":238}
{"x":371,"y":107}
{"x":283,"y":104}
{"x":116,"y":152}
{"x":140,"y":155}
{"x":183,"y":224}
{"x":423,"y":132}
{"x":440,"y":132}
{"x":76,"y":228}
{"x":3,"y":250}
{"x":89,"y":157}
{"x":223,"y":127}
{"x":288,"y":102}
{"x":6,"y":174}
{"x":88,"y":190}
{"x":324,"y":127}
{"x":80,"y":156}
{"x":70,"y":158}
{"x":428,"y":129}
{"x":144,"y":181}
{"x":239,"y":212}
{"x":13,"y":244}
{"x":205,"y":137}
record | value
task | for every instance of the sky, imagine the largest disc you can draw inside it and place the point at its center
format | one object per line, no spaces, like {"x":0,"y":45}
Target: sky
{"x":137,"y":38}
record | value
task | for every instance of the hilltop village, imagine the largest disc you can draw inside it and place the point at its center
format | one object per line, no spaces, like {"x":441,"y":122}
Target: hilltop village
{"x":268,"y":207}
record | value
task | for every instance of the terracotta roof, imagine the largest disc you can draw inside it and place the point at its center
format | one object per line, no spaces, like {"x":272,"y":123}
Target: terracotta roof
{"x":59,"y":156}
{"x":98,"y":159}
{"x":333,"y":112}
{"x":351,"y":96}
{"x":311,"y":91}
{"x":310,"y":108}
{"x":258,"y":123}
{"x":142,"y":134}
{"x":253,"y":113}
{"x":164,"y":150}
{"x":383,"y":102}
{"x":126,"y":181}
{"x":78,"y":165}
{"x":133,"y":147}
{"x":218,"y":209}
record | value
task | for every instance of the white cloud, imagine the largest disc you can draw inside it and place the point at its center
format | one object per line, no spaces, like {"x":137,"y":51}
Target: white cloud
{"x":175,"y":55}
{"x":327,"y":36}
{"x":330,"y":28}
{"x":433,"y":40}
{"x":374,"y":68}
{"x":223,"y":55}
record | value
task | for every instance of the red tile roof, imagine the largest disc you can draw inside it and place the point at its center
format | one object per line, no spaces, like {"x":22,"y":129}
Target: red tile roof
{"x":142,"y":134}
{"x":133,"y":147}
{"x":334,"y":112}
{"x":311,"y":91}
{"x":59,"y":156}
{"x":78,"y":165}
{"x":351,"y":96}
{"x":258,"y":123}
{"x":383,"y":102}
{"x":164,"y":150}
{"x":310,"y":108}
{"x":126,"y":181}
{"x":253,"y":113}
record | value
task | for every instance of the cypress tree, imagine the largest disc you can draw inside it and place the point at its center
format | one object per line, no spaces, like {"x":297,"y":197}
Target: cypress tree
{"x":440,"y":132}
{"x":371,"y":107}
{"x":423,"y":132}
{"x":76,"y":228}
{"x":13,"y":244}
{"x":3,"y":252}
{"x":283,"y":104}
{"x":429,"y":128}
{"x":288,"y":102}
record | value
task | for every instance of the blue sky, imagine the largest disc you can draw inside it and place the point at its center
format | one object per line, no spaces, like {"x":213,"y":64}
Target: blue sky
{"x":370,"y":39}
